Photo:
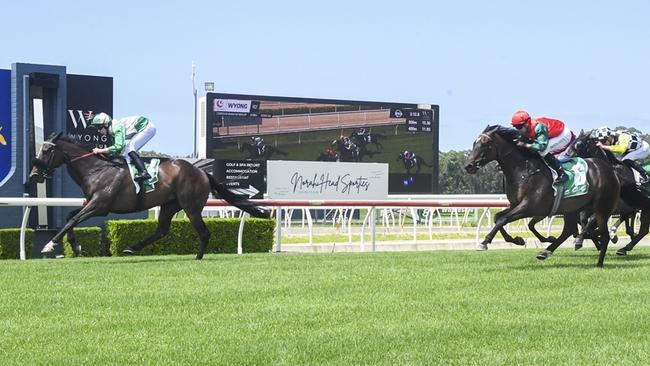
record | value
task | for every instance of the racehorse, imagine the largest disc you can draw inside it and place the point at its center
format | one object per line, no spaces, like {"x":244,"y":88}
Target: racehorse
{"x":107,"y":187}
{"x":329,"y":154}
{"x":253,"y":152}
{"x":633,"y":197}
{"x":415,"y":162}
{"x":529,"y":187}
{"x":370,"y":139}
{"x":353,"y":154}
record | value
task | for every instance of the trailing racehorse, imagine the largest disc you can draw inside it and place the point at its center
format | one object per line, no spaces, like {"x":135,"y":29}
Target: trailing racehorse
{"x":370,"y":139}
{"x":108,"y":187}
{"x":529,"y":187}
{"x":253,"y":152}
{"x":415,"y":162}
{"x":633,"y":197}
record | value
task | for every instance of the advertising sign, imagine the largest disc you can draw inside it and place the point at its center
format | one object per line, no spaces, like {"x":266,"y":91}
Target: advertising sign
{"x":6,"y":154}
{"x":88,"y":96}
{"x":324,"y":181}
{"x":242,"y":177}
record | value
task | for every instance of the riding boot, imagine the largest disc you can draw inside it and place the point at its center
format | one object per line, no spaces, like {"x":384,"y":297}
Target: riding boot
{"x":634,"y":165}
{"x":142,"y":172}
{"x":555,"y":164}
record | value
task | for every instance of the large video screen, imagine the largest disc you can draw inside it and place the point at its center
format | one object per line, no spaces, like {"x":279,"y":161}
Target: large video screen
{"x":260,"y":128}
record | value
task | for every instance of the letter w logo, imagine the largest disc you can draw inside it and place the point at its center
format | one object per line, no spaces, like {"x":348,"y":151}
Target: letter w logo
{"x":79,"y":119}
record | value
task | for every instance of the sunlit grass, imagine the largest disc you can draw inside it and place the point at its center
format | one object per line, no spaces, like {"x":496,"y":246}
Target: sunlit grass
{"x":444,"y":307}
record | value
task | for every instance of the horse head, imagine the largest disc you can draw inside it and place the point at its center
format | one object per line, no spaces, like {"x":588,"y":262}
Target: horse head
{"x":486,"y":146}
{"x":48,"y":159}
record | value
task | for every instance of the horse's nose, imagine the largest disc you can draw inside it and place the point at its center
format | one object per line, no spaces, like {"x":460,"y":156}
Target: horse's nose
{"x":471,"y":168}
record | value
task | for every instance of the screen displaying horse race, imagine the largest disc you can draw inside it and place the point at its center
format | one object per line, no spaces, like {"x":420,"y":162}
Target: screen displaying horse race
{"x":261,"y":128}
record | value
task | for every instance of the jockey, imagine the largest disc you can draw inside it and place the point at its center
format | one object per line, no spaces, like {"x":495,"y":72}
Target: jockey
{"x":258,"y":142}
{"x":129,"y":136}
{"x":408,"y":155}
{"x":629,"y":147}
{"x":550,"y":138}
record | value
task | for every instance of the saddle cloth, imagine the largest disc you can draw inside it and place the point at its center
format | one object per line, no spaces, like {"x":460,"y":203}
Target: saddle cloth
{"x":152,"y":168}
{"x":576,"y":170}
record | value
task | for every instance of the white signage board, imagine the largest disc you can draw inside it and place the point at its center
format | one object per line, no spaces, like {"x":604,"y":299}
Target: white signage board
{"x":311,"y":180}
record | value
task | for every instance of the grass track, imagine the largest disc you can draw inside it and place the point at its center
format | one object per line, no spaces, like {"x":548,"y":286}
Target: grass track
{"x":446,"y":307}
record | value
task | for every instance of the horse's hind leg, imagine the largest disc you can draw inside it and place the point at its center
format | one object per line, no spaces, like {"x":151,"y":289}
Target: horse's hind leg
{"x":167,"y":212}
{"x":204,"y":234}
{"x":643,"y":231}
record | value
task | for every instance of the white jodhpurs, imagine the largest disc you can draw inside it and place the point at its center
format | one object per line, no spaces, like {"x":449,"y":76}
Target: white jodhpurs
{"x":559,"y":144}
{"x":641,"y":153}
{"x":138,"y":140}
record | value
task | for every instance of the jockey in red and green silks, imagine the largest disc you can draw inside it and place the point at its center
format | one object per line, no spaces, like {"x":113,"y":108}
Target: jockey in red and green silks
{"x":548,"y":137}
{"x":130,"y":134}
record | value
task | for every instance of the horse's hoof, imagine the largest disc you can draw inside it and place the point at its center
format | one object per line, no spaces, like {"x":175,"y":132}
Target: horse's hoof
{"x":577,"y":247}
{"x":543,"y":255}
{"x":519,"y":241}
{"x":481,"y":247}
{"x":621,"y":251}
{"x":614,"y":239}
{"x":59,"y":256}
{"x":128,"y":251}
{"x":49,"y":247}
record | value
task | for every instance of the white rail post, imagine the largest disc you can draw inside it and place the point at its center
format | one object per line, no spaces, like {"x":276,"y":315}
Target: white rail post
{"x":278,"y":229}
{"x":23,"y":227}
{"x":240,"y":234}
{"x":373,"y":228}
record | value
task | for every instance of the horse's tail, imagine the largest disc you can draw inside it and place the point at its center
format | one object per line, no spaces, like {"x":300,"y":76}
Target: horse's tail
{"x":425,"y":163}
{"x":238,"y":201}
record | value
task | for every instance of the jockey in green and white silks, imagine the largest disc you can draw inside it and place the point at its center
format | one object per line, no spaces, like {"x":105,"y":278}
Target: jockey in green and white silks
{"x":129,"y":134}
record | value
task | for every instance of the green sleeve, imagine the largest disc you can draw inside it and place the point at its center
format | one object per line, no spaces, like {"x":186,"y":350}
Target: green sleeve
{"x":119,"y":136}
{"x":541,"y":138}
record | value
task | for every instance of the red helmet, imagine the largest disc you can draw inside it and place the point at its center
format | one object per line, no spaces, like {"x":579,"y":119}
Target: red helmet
{"x":520,"y":117}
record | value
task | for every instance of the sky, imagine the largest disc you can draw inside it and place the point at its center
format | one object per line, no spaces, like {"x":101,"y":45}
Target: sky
{"x":584,"y":62}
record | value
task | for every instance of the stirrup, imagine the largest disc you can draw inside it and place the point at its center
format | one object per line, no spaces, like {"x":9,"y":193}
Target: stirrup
{"x":142,"y":177}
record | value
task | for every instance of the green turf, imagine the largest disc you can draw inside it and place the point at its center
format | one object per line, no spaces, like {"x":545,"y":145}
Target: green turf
{"x":500,"y":307}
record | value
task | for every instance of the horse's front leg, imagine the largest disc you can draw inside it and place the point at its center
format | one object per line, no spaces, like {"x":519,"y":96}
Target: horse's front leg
{"x":643,"y":231}
{"x":91,"y":209}
{"x":72,"y":239}
{"x":501,"y":219}
{"x":570,"y":227}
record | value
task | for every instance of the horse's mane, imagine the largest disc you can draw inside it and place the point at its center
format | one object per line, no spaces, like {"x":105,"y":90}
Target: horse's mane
{"x":510,"y":135}
{"x":88,"y":147}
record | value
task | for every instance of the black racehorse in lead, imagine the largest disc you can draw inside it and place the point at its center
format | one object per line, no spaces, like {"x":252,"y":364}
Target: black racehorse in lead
{"x":529,"y":188}
{"x":107,"y":187}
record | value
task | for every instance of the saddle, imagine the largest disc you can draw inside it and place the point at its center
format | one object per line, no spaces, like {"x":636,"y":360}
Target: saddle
{"x":576,"y":185}
{"x":152,"y":169}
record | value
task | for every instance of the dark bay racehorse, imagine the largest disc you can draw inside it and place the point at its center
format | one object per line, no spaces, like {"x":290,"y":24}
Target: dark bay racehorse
{"x":633,"y":197}
{"x":353,"y":154}
{"x":370,"y":139}
{"x":415,"y":162}
{"x":252,"y":152}
{"x":107,"y":187}
{"x":529,"y":187}
{"x":329,"y":154}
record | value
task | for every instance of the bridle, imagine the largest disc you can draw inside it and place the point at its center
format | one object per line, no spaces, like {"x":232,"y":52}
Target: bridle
{"x":47,"y":167}
{"x":481,"y":158}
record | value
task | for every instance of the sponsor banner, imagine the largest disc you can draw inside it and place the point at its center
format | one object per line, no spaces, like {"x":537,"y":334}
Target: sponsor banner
{"x":242,"y":177}
{"x":326,"y":180}
{"x":235,"y":106}
{"x":6,"y":134}
{"x":88,"y":96}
